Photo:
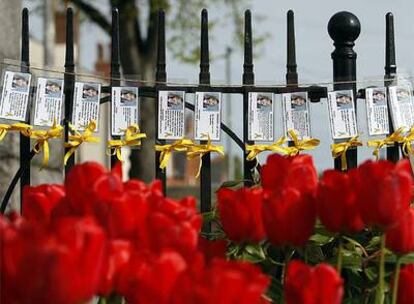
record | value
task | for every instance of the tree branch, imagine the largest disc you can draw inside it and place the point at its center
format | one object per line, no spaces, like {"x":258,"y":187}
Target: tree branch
{"x":94,"y":14}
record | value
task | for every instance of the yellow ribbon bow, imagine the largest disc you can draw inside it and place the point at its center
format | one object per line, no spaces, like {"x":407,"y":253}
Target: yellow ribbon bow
{"x":340,"y":149}
{"x":42,"y":140}
{"x":407,"y":148}
{"x":180,"y":145}
{"x":300,"y":145}
{"x":254,"y":150}
{"x":201,"y":150}
{"x":395,"y":137}
{"x":131,"y":138}
{"x":23,"y":128}
{"x":77,"y":139}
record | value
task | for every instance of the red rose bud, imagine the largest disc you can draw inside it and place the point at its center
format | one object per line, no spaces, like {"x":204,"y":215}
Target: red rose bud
{"x":241,"y":214}
{"x":400,"y":237}
{"x":384,"y":191}
{"x":405,"y":294}
{"x":336,"y":202}
{"x":312,"y":285}
{"x":289,"y":217}
{"x":296,"y":172}
{"x":39,"y":201}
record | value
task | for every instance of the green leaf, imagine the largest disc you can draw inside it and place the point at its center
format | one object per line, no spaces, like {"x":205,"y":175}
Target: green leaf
{"x":374,"y":244}
{"x":321,"y":239}
{"x":232,"y":184}
{"x":209,"y":216}
{"x":253,"y":253}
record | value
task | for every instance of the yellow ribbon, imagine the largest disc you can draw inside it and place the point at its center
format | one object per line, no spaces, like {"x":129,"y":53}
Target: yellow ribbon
{"x":339,"y":150}
{"x":407,"y":148}
{"x":201,"y":150}
{"x":395,"y":137}
{"x":180,"y":145}
{"x":77,"y":139}
{"x":300,"y":145}
{"x":23,"y":128}
{"x":254,"y":150}
{"x":132,"y":138}
{"x":42,"y":140}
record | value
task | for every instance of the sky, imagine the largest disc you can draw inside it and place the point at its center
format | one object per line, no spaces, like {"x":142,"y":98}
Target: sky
{"x":313,"y":52}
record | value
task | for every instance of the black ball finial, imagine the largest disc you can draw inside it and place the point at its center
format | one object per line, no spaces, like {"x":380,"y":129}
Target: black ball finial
{"x":344,"y":26}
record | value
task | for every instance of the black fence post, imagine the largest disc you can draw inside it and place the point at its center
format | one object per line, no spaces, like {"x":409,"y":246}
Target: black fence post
{"x":291,"y":66}
{"x":161,"y":79}
{"x":204,"y":80}
{"x":69,"y":83}
{"x":248,"y":82}
{"x":390,"y":73}
{"x":24,"y":141}
{"x":115,"y":66}
{"x":344,"y":28}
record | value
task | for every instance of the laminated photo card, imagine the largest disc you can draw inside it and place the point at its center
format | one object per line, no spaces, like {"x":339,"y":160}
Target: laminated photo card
{"x":86,"y":104}
{"x":124,"y":109}
{"x":342,"y":116}
{"x":171,"y":114}
{"x":15,"y":95}
{"x":48,"y":102}
{"x":260,"y":117}
{"x":296,"y":114}
{"x":207,"y":116}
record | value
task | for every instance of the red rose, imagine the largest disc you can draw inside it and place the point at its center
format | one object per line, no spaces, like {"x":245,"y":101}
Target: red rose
{"x":384,"y":191}
{"x":241,"y":214}
{"x":400,"y":237}
{"x":336,"y":202}
{"x":318,"y":285}
{"x":39,"y":201}
{"x":289,"y":217}
{"x":296,"y":172}
{"x":405,"y":285}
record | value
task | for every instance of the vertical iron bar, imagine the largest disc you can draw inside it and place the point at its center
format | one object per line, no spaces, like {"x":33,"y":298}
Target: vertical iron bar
{"x":291,"y":66}
{"x":69,"y":83}
{"x":115,"y":66}
{"x":204,"y":79}
{"x":344,"y":28}
{"x":161,"y":79}
{"x":24,"y":141}
{"x":248,"y":82}
{"x":390,"y":74}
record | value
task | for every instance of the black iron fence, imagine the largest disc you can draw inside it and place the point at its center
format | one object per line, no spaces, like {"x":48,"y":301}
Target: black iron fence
{"x":344,"y":29}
